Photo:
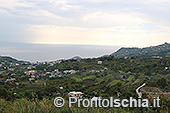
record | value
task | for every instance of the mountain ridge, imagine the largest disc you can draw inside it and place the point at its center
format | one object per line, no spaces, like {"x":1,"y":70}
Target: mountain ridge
{"x":162,"y":50}
{"x":10,"y":59}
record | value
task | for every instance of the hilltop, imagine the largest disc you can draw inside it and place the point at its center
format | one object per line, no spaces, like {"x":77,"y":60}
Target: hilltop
{"x":162,"y":50}
{"x":10,"y":60}
{"x":76,"y":57}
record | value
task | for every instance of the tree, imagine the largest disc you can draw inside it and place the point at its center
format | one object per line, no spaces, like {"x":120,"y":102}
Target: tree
{"x":162,"y":82}
{"x":6,"y":94}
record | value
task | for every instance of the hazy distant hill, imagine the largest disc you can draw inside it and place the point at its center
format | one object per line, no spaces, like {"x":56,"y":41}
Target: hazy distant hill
{"x":160,"y":50}
{"x":77,"y":57}
{"x":9,"y":59}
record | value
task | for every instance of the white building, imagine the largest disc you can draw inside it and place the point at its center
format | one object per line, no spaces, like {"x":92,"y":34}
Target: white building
{"x":75,"y":94}
{"x":61,"y":87}
{"x":31,"y":79}
{"x":17,"y":64}
{"x":166,"y":68}
{"x":69,"y":71}
{"x":99,"y":62}
{"x":72,"y":71}
{"x":10,"y":80}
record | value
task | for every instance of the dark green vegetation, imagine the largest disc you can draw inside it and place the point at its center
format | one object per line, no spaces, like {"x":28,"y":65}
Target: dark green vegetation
{"x":105,"y":76}
{"x":45,"y":106}
{"x":153,"y":51}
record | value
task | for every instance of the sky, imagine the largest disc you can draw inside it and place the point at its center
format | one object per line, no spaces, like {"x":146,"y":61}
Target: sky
{"x":109,"y":23}
{"x":136,"y":23}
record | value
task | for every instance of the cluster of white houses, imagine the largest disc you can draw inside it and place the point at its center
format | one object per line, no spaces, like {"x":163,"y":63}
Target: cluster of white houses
{"x":10,"y":80}
{"x":53,"y":74}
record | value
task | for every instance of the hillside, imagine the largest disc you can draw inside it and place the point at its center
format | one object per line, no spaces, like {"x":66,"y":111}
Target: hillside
{"x":160,"y":50}
{"x":37,"y":84}
{"x":9,"y":59}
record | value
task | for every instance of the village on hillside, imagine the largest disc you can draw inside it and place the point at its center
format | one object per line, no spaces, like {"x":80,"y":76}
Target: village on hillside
{"x":97,"y":77}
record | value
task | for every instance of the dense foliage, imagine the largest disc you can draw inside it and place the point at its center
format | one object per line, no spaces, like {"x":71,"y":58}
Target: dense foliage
{"x":107,"y":78}
{"x":153,"y":51}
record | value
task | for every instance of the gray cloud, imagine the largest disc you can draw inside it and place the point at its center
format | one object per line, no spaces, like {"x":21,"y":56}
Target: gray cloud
{"x":16,"y":16}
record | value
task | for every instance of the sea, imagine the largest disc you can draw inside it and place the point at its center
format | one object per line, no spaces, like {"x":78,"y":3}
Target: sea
{"x":50,"y":52}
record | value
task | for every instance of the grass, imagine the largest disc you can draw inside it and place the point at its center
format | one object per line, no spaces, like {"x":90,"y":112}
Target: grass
{"x":114,"y":82}
{"x":90,"y":78}
{"x":46,"y":106}
{"x":40,"y":82}
{"x":130,"y":77}
{"x":42,"y":106}
{"x":78,"y":80}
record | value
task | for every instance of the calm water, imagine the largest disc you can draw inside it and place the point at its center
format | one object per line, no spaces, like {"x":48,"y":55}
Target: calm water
{"x":45,"y":52}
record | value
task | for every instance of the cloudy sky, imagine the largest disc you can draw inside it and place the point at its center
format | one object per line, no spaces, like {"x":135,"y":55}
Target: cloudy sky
{"x":89,"y":22}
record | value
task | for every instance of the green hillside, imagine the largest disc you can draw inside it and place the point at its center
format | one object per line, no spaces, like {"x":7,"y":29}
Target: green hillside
{"x":152,"y":51}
